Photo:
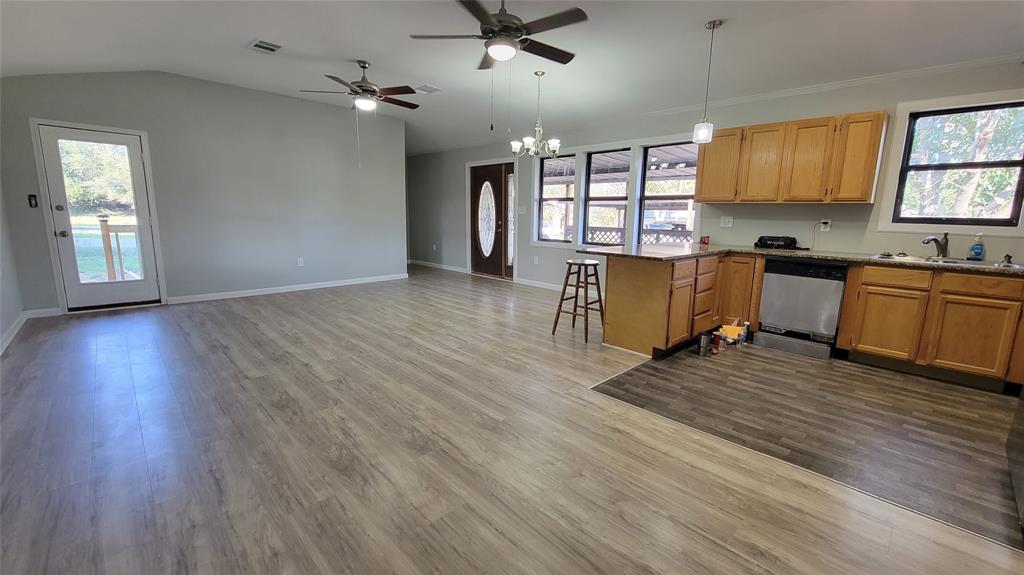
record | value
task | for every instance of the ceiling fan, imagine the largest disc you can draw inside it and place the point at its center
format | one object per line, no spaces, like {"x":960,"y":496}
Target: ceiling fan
{"x":365,"y":94}
{"x":504,"y":34}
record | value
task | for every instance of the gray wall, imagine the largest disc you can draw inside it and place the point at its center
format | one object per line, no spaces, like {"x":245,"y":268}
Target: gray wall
{"x":10,"y":292}
{"x":437,"y":186}
{"x":245,"y":182}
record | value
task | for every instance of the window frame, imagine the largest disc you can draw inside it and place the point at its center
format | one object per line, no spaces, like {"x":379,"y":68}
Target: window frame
{"x":585,"y":228}
{"x":905,"y":168}
{"x":642,"y":197}
{"x":541,"y":199}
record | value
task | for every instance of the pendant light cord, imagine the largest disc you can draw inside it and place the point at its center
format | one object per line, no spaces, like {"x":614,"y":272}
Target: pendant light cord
{"x":707,"y":84}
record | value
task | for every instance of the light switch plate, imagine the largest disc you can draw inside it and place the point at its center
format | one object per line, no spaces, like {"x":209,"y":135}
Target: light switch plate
{"x":521,"y":211}
{"x":726,"y":222}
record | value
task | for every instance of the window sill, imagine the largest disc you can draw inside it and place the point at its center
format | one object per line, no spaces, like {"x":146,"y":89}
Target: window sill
{"x":554,"y":244}
{"x":964,"y":230}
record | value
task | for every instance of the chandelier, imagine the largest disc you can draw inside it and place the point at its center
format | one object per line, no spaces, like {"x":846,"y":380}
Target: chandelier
{"x":536,"y":145}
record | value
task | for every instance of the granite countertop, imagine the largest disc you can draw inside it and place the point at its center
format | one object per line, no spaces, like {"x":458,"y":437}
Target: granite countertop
{"x":668,"y":253}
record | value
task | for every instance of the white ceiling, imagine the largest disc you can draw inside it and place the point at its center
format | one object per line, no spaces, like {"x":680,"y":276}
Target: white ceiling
{"x":632,"y":57}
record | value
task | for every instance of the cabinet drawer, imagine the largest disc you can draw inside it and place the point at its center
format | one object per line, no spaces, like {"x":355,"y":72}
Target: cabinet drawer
{"x":684,"y":270}
{"x":898,"y":277}
{"x":703,"y":302}
{"x":705,"y":282}
{"x":707,"y":265}
{"x":982,"y":285}
{"x":703,"y":322}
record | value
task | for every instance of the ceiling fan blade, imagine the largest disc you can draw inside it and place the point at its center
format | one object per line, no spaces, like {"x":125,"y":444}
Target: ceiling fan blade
{"x":398,"y":102}
{"x":322,"y":92}
{"x":546,"y":51}
{"x":396,"y":90}
{"x":479,"y":12}
{"x":444,"y":37}
{"x":342,"y":82}
{"x":570,"y":16}
{"x":486,"y":63}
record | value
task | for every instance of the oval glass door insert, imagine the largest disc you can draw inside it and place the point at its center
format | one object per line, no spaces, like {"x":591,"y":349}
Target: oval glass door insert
{"x":485,"y":214}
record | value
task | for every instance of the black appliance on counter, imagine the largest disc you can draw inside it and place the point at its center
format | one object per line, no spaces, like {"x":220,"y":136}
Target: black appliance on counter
{"x":777,"y":243}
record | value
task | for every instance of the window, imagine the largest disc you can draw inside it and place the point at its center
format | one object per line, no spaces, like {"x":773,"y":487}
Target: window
{"x":555,"y":219}
{"x":963,"y":166}
{"x":604,"y":205}
{"x":667,"y":211}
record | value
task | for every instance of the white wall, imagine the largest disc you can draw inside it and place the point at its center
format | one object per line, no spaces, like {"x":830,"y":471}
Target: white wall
{"x":437,"y":186}
{"x":245,"y":181}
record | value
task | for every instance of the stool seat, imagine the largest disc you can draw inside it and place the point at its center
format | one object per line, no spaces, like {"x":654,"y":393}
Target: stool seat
{"x":584,"y":274}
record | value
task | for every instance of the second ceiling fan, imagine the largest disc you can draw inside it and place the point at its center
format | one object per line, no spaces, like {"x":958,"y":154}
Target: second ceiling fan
{"x":504,"y":34}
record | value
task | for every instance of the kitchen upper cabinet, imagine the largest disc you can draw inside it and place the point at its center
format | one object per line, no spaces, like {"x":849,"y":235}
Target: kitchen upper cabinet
{"x":971,"y":334}
{"x":761,"y":163}
{"x":680,"y":312}
{"x":855,"y":157}
{"x":830,"y":159}
{"x":718,"y":166}
{"x":807,"y":159}
{"x":736,"y":288}
{"x":889,"y":321}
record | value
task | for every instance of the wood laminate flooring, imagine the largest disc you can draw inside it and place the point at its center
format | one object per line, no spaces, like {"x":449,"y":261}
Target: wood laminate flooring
{"x":934,"y":447}
{"x":428,"y":425}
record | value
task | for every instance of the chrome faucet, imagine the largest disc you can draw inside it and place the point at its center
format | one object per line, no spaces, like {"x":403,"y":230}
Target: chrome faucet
{"x":941,"y":246}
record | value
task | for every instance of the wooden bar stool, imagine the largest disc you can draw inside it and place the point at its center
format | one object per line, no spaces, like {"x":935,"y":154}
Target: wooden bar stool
{"x":582,"y":272}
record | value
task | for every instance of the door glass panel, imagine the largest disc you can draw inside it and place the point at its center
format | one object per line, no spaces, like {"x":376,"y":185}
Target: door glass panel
{"x":101,"y":205}
{"x":485,"y":216}
{"x":511,"y":221}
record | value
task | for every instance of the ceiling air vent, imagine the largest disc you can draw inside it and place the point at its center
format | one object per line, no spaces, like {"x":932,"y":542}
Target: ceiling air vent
{"x":427,"y":89}
{"x":264,"y":46}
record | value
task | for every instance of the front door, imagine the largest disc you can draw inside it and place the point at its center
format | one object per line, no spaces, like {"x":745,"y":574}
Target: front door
{"x":100,"y":209}
{"x":492,"y":212}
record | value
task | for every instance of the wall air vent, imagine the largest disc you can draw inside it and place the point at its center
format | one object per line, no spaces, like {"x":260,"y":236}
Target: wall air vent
{"x":427,"y":89}
{"x":264,"y":46}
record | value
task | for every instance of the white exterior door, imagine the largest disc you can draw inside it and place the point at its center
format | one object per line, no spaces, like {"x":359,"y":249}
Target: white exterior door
{"x":100,"y":208}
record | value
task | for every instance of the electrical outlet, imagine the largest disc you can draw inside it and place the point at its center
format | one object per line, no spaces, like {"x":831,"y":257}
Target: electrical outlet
{"x":726,"y":222}
{"x":825,"y":225}
{"x":536,"y":260}
{"x":300,"y":262}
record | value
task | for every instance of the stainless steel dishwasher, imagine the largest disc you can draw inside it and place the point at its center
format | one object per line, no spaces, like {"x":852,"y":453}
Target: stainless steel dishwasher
{"x":800,"y":303}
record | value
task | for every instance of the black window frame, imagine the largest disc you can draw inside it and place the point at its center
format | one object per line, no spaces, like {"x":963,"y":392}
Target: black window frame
{"x":541,"y":199}
{"x":643,"y":187}
{"x":906,"y":168}
{"x":585,"y":228}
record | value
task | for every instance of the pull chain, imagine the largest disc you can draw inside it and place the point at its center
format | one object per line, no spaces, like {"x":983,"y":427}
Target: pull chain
{"x":492,"y":98}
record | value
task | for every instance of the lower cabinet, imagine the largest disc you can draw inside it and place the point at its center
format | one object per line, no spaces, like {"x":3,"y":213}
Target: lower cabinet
{"x":971,"y":333}
{"x":736,"y":288}
{"x":889,"y":321}
{"x":680,"y":311}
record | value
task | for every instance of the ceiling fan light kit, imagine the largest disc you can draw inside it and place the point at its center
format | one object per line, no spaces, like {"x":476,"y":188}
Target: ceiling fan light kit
{"x":365,"y":94}
{"x":364,"y":103}
{"x":536,"y":145}
{"x":704,"y":130}
{"x":502,"y":48}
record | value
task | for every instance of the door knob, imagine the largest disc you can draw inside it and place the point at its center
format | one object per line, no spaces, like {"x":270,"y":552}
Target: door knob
{"x":59,"y":208}
{"x":63,"y":233}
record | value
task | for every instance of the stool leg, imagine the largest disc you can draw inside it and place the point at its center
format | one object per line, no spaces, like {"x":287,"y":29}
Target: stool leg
{"x":561,"y":299}
{"x":586,"y":308}
{"x":600,"y":302}
{"x":576,"y":298}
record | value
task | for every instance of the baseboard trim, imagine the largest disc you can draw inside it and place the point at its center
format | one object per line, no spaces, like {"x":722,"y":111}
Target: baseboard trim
{"x":24,"y":316}
{"x":439,"y":266}
{"x":537,"y":284}
{"x":283,"y":289}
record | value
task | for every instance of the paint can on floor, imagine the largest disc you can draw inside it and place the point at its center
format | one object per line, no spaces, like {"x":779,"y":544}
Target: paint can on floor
{"x":704,"y":346}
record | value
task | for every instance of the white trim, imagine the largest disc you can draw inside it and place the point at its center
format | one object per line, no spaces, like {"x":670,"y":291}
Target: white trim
{"x":44,"y":191}
{"x":537,"y":284}
{"x":28,"y":314}
{"x":439,"y":266}
{"x":894,"y":160}
{"x":283,"y":289}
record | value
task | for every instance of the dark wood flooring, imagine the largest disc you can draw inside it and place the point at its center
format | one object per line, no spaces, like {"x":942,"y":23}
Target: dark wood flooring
{"x":934,"y":447}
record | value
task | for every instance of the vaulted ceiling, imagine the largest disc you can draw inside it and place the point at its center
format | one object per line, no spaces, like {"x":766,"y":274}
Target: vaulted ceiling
{"x":632,"y":57}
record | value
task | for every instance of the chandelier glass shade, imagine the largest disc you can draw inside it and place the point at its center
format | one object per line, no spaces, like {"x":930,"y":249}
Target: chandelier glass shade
{"x":536,"y":145}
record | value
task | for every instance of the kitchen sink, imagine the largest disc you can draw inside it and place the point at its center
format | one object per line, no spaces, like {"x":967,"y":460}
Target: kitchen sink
{"x":902,"y":257}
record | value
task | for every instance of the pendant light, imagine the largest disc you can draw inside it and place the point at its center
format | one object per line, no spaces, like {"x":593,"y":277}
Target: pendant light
{"x":704,"y":130}
{"x":536,"y":145}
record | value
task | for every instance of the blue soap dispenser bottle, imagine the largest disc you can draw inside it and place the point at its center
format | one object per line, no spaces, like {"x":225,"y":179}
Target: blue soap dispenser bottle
{"x":977,"y":250}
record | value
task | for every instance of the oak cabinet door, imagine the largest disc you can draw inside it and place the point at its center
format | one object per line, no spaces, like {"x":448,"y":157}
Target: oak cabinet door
{"x":855,"y":160}
{"x":680,"y":312}
{"x":761,"y":163}
{"x":972,"y":334}
{"x":890,"y":321}
{"x":807,"y":159}
{"x":735,"y":289}
{"x":718,"y":166}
